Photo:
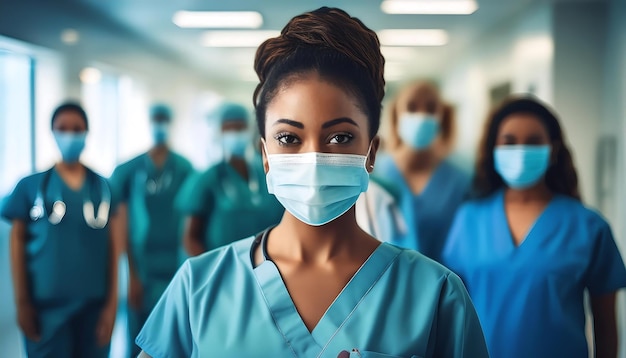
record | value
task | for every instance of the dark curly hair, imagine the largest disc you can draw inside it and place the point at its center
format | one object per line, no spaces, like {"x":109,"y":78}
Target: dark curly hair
{"x":340,"y":48}
{"x":561,"y":176}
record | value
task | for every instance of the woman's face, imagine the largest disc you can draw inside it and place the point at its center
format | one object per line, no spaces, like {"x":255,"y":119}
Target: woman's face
{"x":313,"y":115}
{"x":69,"y":122}
{"x":522,"y":129}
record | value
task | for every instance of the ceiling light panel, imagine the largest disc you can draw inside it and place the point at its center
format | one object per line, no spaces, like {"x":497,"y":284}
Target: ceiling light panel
{"x":240,"y":38}
{"x":429,"y":7}
{"x":413,"y":37}
{"x":218,"y":19}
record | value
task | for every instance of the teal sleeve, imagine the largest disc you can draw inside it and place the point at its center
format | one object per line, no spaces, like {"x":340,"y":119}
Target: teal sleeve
{"x":459,"y":334}
{"x":607,"y":273}
{"x":167,"y":331}
{"x":17,"y":205}
{"x":194,"y":197}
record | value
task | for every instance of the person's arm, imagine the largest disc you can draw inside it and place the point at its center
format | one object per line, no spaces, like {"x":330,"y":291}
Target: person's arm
{"x":193,"y":239}
{"x":135,"y":286}
{"x":26,"y":313}
{"x":109,"y":311}
{"x":604,"y":325}
{"x":459,"y":334}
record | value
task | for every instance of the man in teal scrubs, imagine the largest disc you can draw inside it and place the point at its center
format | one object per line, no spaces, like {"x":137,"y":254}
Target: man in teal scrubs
{"x":229,"y":201}
{"x":147,"y":186}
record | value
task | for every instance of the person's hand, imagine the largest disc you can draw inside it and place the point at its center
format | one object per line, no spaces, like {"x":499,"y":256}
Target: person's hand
{"x":135,"y":292}
{"x":28,"y":321}
{"x":104,"y":330}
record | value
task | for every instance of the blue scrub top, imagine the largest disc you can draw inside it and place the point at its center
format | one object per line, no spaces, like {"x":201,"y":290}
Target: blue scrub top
{"x":398,"y":304}
{"x":67,"y":262}
{"x":232,"y":208}
{"x":428,"y":215}
{"x":529,"y":298}
{"x":155,"y":228}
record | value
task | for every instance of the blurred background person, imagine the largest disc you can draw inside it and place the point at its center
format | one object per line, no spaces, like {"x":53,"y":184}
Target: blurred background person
{"x":147,"y":187}
{"x":428,"y":187}
{"x":528,"y":248}
{"x":229,"y":201}
{"x":63,"y":253}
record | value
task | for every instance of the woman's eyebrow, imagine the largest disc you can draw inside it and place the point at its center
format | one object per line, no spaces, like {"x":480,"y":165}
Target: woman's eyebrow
{"x":289,"y":122}
{"x":334,"y":122}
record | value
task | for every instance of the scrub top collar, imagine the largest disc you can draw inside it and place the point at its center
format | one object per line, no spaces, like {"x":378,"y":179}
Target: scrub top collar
{"x":305,"y":343}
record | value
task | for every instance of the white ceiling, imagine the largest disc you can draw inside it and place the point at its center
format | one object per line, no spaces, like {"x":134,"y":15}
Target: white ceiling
{"x":150,"y":22}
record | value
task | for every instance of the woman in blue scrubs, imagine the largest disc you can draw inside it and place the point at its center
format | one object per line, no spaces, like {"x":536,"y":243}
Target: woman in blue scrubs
{"x":528,"y":249}
{"x":147,"y":186}
{"x":229,"y":201}
{"x":429,"y":188}
{"x":63,"y":256}
{"x":315,"y":285}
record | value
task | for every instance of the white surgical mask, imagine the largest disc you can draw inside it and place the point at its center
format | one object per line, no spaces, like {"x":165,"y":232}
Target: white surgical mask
{"x":317,"y":188}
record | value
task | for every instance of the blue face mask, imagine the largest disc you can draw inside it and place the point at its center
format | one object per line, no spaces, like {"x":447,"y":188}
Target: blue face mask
{"x":235,"y":143}
{"x":160,"y":132}
{"x":317,"y":188}
{"x":418,"y":130}
{"x":70,"y":144}
{"x":521,"y":166}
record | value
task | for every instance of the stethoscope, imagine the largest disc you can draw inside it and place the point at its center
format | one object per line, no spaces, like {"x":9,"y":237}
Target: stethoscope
{"x":158,"y":184}
{"x":94,"y":220}
{"x":253,"y":186}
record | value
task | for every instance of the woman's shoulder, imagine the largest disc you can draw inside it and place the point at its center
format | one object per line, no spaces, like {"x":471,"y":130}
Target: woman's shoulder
{"x":232,"y":257}
{"x":577,"y":211}
{"x":416,"y":264}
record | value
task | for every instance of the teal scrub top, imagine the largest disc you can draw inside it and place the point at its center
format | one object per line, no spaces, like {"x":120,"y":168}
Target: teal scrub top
{"x":530,"y":298}
{"x":428,"y":215}
{"x":155,"y":228}
{"x":398,"y":304}
{"x":69,"y":261}
{"x":231,"y":207}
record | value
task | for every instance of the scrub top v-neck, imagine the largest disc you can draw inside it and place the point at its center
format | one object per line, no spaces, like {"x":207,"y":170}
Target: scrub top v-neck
{"x":398,"y":304}
{"x":429,"y":214}
{"x":530,"y":297}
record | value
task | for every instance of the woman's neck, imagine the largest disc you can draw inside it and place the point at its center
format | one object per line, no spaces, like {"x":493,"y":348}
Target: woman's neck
{"x":73,"y":174}
{"x":293,"y":240}
{"x":538,"y":192}
{"x":418,"y":160}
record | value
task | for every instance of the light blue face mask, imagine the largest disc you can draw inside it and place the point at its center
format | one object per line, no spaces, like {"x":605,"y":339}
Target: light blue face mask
{"x":235,"y":143}
{"x":418,"y":130}
{"x":521,"y":166}
{"x":70,"y":144}
{"x":160,"y":132}
{"x":317,"y":188}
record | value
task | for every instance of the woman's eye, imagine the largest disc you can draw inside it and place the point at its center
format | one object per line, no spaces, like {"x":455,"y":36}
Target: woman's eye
{"x":341,"y":138}
{"x":286,"y":139}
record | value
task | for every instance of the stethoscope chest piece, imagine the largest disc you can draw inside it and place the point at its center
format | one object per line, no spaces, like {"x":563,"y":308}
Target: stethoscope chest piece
{"x":59,"y":208}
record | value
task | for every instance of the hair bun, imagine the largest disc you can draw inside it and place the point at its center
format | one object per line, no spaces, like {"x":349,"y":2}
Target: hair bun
{"x":327,"y":29}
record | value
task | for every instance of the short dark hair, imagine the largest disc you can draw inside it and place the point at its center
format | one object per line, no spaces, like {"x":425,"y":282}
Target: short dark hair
{"x":340,"y":48}
{"x":69,"y":106}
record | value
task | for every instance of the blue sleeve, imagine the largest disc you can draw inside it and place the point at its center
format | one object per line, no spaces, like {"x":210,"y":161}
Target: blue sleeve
{"x":459,"y":334}
{"x":167,"y":331}
{"x":194,"y":197}
{"x":18,"y":205}
{"x":606,"y":273}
